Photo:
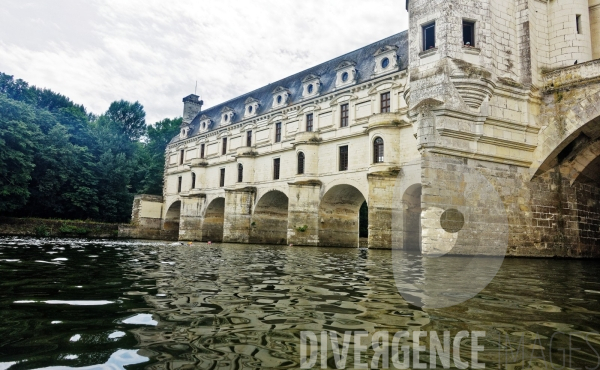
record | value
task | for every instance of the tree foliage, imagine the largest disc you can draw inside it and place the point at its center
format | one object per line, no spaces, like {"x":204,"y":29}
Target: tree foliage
{"x":57,"y":160}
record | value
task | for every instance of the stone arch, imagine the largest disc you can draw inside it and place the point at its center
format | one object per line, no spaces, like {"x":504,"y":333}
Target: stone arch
{"x":582,"y":118}
{"x":411,"y":220}
{"x":339,"y":216}
{"x":214,"y":217}
{"x":172,"y":217}
{"x":362,"y":186}
{"x":270,"y":219}
{"x":583,"y":165}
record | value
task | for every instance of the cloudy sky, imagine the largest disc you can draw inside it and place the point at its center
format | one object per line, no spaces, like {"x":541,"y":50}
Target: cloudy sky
{"x":96,"y":52}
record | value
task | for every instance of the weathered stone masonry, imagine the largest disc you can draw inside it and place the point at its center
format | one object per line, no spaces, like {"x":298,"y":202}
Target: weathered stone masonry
{"x":488,"y":147}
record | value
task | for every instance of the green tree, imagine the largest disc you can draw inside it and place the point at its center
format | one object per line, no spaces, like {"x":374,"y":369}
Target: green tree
{"x":63,"y":182}
{"x":129,"y":118}
{"x":153,"y":164}
{"x":18,"y":136}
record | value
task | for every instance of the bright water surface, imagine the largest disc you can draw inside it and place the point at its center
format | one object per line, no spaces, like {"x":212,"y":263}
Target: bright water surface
{"x":116,"y":304}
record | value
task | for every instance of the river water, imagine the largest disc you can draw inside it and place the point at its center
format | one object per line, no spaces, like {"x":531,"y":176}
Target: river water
{"x":151,"y":305}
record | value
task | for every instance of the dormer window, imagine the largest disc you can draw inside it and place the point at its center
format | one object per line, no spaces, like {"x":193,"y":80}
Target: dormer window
{"x":386,"y":59}
{"x":205,"y":123}
{"x":346,"y":74}
{"x":226,"y":115}
{"x":184,"y":132}
{"x":310,"y":86}
{"x":280,"y":97}
{"x":251,"y":107}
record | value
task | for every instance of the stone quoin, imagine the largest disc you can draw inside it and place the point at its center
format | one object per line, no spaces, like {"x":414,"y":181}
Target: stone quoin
{"x":482,"y":112}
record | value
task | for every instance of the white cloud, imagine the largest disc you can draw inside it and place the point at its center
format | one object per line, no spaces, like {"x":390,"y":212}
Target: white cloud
{"x":154,"y":51}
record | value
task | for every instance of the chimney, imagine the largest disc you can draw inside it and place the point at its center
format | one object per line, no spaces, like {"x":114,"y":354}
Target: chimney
{"x":192,"y":105}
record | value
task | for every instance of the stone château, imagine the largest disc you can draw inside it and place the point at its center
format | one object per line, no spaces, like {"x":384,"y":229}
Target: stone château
{"x":478,"y":125}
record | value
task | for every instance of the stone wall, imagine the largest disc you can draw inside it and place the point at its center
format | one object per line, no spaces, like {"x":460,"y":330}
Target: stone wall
{"x":57,"y":228}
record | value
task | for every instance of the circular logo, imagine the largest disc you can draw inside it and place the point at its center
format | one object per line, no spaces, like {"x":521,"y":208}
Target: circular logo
{"x":449,"y":234}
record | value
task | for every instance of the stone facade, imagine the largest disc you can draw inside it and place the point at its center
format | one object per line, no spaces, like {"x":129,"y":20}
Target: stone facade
{"x":488,"y":146}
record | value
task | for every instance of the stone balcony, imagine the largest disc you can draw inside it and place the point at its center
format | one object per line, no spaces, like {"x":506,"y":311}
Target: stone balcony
{"x":246,"y":151}
{"x":386,"y":120}
{"x":572,"y":75}
{"x":199,"y":162}
{"x":307,"y":137}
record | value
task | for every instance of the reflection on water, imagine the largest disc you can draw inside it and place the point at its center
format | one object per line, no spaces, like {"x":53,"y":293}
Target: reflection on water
{"x":243,"y":306}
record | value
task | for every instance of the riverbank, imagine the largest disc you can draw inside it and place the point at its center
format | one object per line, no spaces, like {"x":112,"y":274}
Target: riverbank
{"x":61,"y":228}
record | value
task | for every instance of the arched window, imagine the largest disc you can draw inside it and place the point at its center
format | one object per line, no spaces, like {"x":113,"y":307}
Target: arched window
{"x":300,"y":163}
{"x":193,"y":180}
{"x":378,"y":150}
{"x":240,"y":172}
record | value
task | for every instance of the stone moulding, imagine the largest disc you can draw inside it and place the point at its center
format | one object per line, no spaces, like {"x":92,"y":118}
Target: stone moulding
{"x":194,"y":193}
{"x":309,"y":182}
{"x":245,"y":189}
{"x":583,"y":73}
{"x":473,"y":91}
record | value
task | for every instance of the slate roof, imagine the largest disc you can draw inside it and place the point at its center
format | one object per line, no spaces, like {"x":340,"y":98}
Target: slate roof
{"x":365,"y":65}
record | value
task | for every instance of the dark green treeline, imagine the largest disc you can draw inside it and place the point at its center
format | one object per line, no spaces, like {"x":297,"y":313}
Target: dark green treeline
{"x":59,"y":161}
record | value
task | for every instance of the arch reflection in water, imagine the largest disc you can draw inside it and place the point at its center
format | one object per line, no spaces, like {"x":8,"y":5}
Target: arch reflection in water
{"x":213,"y":315}
{"x":465,"y":240}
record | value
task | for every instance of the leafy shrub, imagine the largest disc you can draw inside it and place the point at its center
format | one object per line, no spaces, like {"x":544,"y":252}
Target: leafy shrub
{"x":302,"y":228}
{"x":41,"y":230}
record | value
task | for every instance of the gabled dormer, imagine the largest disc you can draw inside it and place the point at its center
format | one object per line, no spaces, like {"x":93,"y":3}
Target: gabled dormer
{"x":184,"y":131}
{"x":251,"y":107}
{"x":205,"y":123}
{"x":311,"y":86}
{"x":281,"y":96}
{"x":386,"y":59}
{"x":345,"y":74}
{"x":226,"y":116}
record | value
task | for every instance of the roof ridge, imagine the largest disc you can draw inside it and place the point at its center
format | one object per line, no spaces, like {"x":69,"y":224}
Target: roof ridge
{"x":305,"y":70}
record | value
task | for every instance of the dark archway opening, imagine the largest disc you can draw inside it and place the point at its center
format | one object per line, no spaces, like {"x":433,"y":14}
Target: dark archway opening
{"x":339,"y":217}
{"x":270,"y":219}
{"x":212,"y":227}
{"x":411,"y":202}
{"x":171,"y":223}
{"x":363,"y":225}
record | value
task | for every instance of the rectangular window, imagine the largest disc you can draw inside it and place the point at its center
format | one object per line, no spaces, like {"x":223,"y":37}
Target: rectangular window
{"x":309,"y":122}
{"x":249,"y":138}
{"x":429,"y":36}
{"x":181,"y":155}
{"x":222,"y":179}
{"x":578,"y":23}
{"x":385,"y":102}
{"x":343,"y":158}
{"x":193,"y":180}
{"x":278,"y":132}
{"x":344,"y":116}
{"x":224,"y":149}
{"x":180,"y":179}
{"x":468,"y":33}
{"x":201,"y":150}
{"x":276,"y":163}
